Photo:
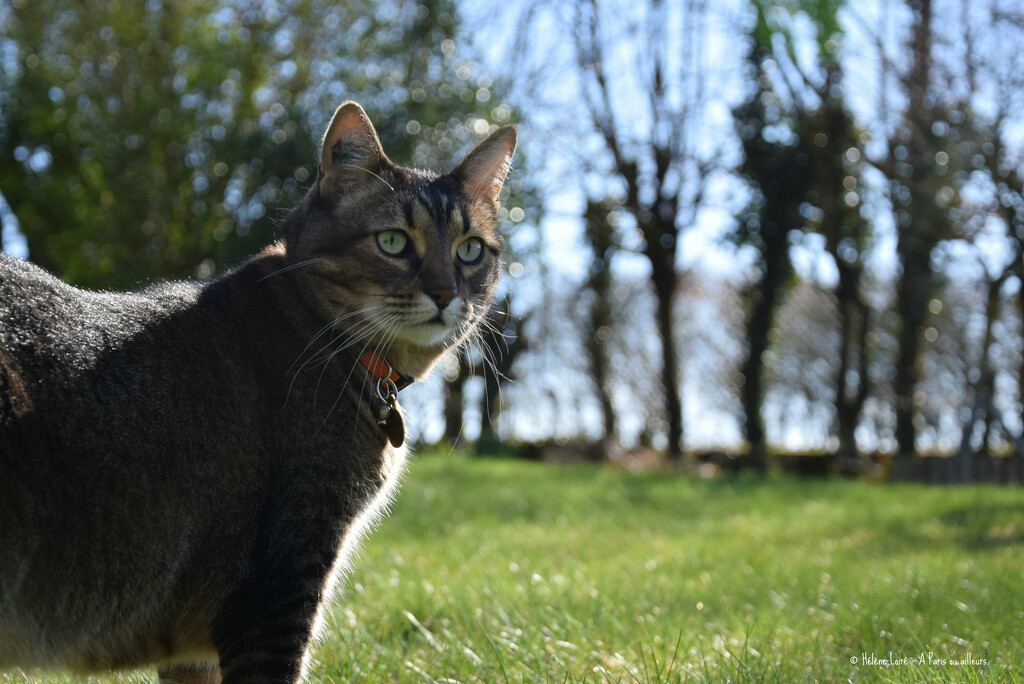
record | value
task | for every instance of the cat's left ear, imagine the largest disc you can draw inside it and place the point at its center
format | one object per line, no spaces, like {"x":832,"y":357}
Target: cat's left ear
{"x":484,"y":170}
{"x":351,"y":152}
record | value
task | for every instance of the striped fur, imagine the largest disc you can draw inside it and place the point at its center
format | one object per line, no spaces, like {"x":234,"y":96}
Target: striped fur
{"x":186,"y":470}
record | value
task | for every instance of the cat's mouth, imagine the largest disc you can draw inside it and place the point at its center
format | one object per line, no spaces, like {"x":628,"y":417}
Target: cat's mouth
{"x":420,"y":325}
{"x":428,"y":326}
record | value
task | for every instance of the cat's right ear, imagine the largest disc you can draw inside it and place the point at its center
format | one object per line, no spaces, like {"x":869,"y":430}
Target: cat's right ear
{"x":483,"y":171}
{"x":351,"y":153}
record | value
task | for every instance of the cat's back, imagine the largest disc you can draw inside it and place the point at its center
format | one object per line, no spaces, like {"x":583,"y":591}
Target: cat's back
{"x":52,"y":334}
{"x":38,"y":311}
{"x":111,"y":362}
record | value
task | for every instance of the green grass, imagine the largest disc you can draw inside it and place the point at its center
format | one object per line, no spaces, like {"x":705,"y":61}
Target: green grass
{"x":502,"y":571}
{"x":506,"y":571}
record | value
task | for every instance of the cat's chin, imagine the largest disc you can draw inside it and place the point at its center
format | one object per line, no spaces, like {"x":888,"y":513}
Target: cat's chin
{"x":427,"y":335}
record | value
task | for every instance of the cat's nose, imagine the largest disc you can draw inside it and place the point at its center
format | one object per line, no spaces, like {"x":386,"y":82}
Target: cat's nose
{"x":442,"y":296}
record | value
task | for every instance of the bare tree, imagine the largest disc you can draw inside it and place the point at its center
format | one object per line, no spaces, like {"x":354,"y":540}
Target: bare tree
{"x":500,"y":346}
{"x":660,"y":166}
{"x":989,"y":69}
{"x":818,"y":181}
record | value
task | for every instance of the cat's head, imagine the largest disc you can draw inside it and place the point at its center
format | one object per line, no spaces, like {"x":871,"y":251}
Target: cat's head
{"x":404,"y":261}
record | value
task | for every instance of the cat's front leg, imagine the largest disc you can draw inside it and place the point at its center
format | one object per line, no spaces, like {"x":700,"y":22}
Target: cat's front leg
{"x":265,"y":663}
{"x":189,"y":674}
{"x":266,"y":629}
{"x":269,"y":652}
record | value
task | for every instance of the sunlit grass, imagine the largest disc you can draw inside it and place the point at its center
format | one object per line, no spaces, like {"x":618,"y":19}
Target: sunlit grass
{"x":503,"y":571}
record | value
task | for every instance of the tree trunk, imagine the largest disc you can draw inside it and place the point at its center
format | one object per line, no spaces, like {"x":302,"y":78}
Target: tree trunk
{"x":853,"y":330}
{"x":763,"y":304}
{"x":752,"y":396}
{"x":841,"y":223}
{"x":923,"y":224}
{"x":665,"y":287}
{"x":913,"y":292}
{"x":600,"y":364}
{"x":454,"y":414}
{"x":599,"y":234}
{"x":660,"y":234}
{"x":494,"y":376}
{"x":502,"y":342}
{"x":1018,"y":444}
{"x":983,"y":391}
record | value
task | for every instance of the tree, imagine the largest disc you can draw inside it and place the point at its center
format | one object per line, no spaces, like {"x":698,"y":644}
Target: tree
{"x":492,"y":357}
{"x":500,"y":348}
{"x":812,"y":88}
{"x":846,"y":236}
{"x":599,"y":232}
{"x":777,"y":167}
{"x":143,"y":140}
{"x":986,"y":133}
{"x":161,"y":140}
{"x":662,"y":168}
{"x":922,"y":199}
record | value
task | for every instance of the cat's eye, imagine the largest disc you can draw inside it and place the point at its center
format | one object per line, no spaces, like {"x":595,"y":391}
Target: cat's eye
{"x":470,"y":251}
{"x":393,"y":242}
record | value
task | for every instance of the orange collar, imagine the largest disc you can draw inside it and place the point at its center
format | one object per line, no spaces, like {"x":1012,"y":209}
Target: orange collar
{"x":379,"y":369}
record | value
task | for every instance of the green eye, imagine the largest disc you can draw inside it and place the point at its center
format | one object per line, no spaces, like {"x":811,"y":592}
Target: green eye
{"x":393,"y":242}
{"x":470,"y":251}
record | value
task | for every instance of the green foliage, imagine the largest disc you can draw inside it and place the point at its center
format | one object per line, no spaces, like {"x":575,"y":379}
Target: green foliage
{"x":775,"y":18}
{"x":166,"y":139}
{"x":143,"y":139}
{"x":494,"y":571}
{"x":776,"y":162}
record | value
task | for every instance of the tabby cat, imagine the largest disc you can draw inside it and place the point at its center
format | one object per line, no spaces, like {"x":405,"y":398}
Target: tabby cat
{"x":185,"y":469}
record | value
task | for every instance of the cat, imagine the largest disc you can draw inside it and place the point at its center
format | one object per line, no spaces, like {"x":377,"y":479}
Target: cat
{"x":185,"y":469}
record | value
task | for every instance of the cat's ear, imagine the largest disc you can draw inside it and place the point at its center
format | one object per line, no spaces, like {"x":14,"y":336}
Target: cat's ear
{"x":351,"y":151}
{"x":483,"y":171}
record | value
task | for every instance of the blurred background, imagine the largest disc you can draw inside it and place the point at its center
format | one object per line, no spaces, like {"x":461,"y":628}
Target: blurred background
{"x":742,"y":234}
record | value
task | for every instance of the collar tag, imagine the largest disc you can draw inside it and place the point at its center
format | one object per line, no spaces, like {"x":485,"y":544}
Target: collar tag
{"x":389,"y":381}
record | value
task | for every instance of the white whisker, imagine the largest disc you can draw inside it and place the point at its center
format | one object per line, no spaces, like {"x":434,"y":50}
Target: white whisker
{"x":361,"y":168}
{"x":365,"y":334}
{"x":290,"y":267}
{"x":386,"y":325}
{"x":324,"y":354}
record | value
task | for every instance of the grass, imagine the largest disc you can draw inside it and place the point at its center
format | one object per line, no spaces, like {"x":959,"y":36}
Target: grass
{"x":503,"y":571}
{"x":507,"y":571}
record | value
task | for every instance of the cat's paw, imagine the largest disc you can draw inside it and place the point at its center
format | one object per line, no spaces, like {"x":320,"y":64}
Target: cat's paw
{"x":189,"y":674}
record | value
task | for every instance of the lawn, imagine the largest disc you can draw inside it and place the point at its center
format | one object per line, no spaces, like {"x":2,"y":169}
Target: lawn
{"x":505,"y":571}
{"x":497,"y":571}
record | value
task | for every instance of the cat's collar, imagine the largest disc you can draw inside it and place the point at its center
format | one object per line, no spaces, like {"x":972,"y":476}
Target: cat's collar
{"x":380,"y":369}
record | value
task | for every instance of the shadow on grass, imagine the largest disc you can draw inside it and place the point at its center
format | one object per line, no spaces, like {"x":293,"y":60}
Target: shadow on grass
{"x":976,"y":528}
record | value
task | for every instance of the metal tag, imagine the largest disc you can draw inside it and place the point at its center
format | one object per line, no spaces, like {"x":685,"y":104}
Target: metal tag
{"x":394,"y":428}
{"x":388,"y":417}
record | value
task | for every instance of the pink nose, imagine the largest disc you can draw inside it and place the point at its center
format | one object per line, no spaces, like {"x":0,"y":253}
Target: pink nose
{"x":442,"y":296}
